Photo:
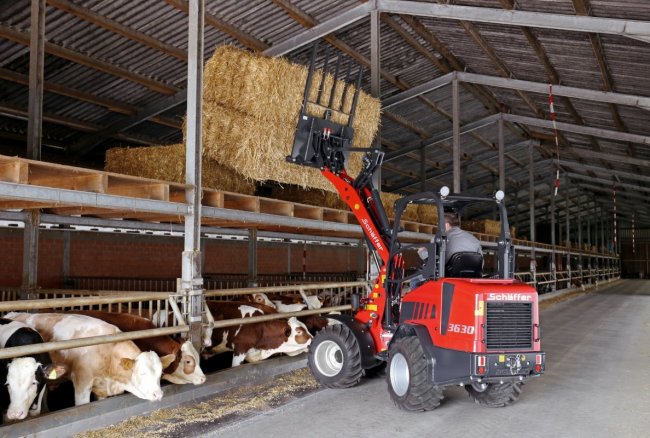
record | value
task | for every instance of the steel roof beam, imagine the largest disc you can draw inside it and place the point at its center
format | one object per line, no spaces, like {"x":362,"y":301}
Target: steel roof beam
{"x":447,"y":135}
{"x":558,"y":90}
{"x":614,"y":172}
{"x":608,"y":182}
{"x":417,"y":91}
{"x":628,"y":28}
{"x":320,"y":30}
{"x":579,"y":129}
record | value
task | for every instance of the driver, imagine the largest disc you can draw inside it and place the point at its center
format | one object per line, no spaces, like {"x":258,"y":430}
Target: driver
{"x":459,"y":240}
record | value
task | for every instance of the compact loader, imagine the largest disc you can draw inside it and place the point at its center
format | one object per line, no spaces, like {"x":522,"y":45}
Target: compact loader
{"x":434,"y":323}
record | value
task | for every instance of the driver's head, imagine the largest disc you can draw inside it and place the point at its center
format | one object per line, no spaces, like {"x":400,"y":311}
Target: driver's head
{"x":451,"y":220}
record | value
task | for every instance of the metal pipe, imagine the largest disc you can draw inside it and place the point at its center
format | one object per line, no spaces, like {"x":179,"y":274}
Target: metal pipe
{"x":271,"y":289}
{"x":8,"y":306}
{"x":273,"y":316}
{"x":24,"y":350}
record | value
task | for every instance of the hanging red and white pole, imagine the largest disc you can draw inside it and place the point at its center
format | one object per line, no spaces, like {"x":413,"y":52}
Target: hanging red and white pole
{"x":614,"y":196}
{"x":557,"y":141}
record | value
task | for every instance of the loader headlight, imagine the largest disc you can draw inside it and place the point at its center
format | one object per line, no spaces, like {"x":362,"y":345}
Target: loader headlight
{"x":444,"y":191}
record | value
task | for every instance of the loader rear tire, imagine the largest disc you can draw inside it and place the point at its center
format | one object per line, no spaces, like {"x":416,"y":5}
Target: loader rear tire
{"x":494,"y":395}
{"x":408,"y":385}
{"x":334,"y":357}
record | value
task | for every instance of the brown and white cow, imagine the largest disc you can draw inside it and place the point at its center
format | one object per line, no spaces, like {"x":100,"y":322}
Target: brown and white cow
{"x":162,"y":318}
{"x":106,"y":369}
{"x":314,"y":323}
{"x":256,"y":341}
{"x":184,"y":369}
{"x":288,"y":302}
{"x":25,"y":379}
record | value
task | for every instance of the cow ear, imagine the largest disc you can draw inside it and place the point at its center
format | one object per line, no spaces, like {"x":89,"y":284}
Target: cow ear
{"x":167,"y":360}
{"x":127,"y":363}
{"x":54,"y":371}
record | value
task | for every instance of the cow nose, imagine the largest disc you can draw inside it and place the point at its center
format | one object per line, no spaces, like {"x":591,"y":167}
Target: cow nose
{"x":207,"y":343}
{"x":200,"y":380}
{"x":157,"y":395}
{"x":16,"y":415}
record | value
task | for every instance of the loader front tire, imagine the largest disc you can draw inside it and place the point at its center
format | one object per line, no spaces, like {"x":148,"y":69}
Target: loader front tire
{"x":494,"y":395}
{"x":408,"y":385}
{"x":334,"y":357}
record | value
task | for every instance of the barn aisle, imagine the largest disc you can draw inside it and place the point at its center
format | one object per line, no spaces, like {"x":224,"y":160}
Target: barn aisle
{"x":597,"y":356}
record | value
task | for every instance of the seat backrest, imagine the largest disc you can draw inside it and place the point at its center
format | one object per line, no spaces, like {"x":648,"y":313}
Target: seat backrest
{"x":464,"y":265}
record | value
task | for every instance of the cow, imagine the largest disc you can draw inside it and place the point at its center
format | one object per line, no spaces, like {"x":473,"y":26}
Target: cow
{"x":161,"y":318}
{"x":288,"y":302}
{"x":257,"y":341}
{"x":106,"y":369}
{"x":25,"y":380}
{"x":185,"y":367}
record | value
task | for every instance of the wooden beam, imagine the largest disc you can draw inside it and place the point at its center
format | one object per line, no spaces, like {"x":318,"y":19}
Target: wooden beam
{"x":227,"y":28}
{"x":120,"y":29}
{"x":582,"y":7}
{"x":106,"y":67}
{"x":110,"y":104}
{"x":21,"y":113}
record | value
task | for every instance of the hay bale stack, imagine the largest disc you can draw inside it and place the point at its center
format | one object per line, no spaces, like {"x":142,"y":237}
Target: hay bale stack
{"x":316,"y":197}
{"x":427,"y":214}
{"x":409,"y":214}
{"x":251,"y":108}
{"x":484,"y":226}
{"x":167,"y":163}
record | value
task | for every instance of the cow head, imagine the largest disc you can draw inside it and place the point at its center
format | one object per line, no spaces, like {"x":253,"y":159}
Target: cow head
{"x":298,"y":338}
{"x":261,"y":298}
{"x":188,"y":370}
{"x":145,"y":371}
{"x":26,"y":380}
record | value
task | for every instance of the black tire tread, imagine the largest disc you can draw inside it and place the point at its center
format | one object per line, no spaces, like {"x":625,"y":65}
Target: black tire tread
{"x":421,"y":395}
{"x":351,"y":372}
{"x":496,"y":395}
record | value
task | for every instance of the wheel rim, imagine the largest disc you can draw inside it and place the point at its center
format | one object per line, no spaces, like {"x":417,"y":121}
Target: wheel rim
{"x":479,"y":387}
{"x":399,"y":374}
{"x":328,"y":358}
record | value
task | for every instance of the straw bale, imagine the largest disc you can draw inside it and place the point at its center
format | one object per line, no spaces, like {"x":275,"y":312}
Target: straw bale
{"x":167,"y":163}
{"x":271,"y":90}
{"x":251,"y":108}
{"x":316,"y":197}
{"x":259,"y":151}
{"x":409,"y":214}
{"x":427,"y":214}
{"x":484,"y":226}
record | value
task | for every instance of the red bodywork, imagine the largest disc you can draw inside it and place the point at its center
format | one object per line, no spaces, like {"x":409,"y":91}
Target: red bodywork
{"x":466,"y":314}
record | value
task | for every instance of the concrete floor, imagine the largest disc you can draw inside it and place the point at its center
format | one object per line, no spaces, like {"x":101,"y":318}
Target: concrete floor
{"x":596,"y":385}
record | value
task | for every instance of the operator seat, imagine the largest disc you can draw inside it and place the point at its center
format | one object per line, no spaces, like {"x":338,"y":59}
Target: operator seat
{"x":465,"y":265}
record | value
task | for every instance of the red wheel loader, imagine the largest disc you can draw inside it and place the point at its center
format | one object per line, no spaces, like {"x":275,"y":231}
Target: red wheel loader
{"x":434,"y":323}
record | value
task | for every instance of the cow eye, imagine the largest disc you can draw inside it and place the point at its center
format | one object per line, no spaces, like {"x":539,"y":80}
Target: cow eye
{"x":287,"y":332}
